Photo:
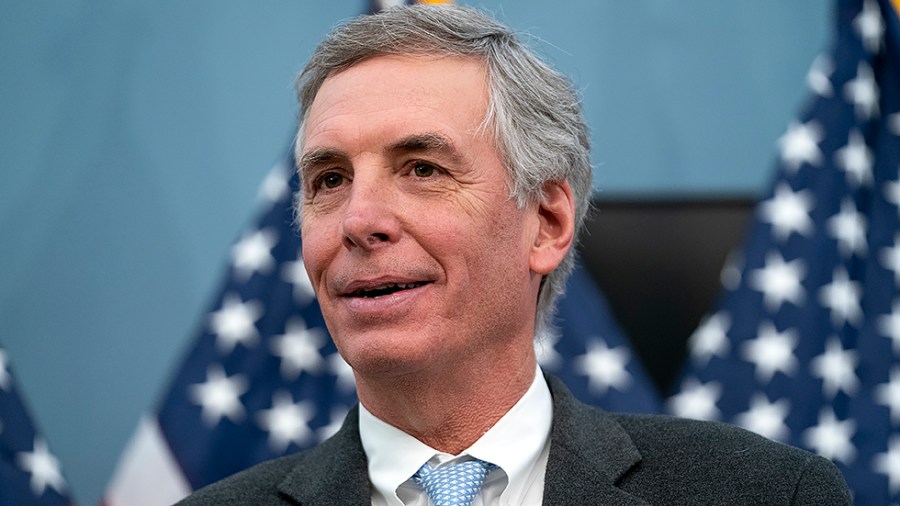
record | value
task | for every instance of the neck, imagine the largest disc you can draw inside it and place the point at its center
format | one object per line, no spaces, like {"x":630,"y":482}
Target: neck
{"x":450,"y":410}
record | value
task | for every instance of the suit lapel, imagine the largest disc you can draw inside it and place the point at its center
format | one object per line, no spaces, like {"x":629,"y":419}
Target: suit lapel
{"x":589,"y":453}
{"x":335,"y":472}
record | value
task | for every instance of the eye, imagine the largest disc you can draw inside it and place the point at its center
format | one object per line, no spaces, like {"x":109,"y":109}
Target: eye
{"x":330,"y":180}
{"x":423,"y":170}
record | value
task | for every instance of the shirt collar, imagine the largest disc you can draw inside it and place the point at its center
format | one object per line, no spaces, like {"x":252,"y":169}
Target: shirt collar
{"x":393,"y":455}
{"x":514,"y":443}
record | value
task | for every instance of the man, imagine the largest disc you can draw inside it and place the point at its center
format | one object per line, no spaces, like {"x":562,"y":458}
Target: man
{"x":445,"y":175}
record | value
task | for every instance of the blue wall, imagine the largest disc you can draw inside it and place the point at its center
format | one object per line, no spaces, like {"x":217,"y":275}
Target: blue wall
{"x":133,"y":136}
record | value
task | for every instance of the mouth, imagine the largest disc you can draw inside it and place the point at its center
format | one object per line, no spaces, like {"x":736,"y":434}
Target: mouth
{"x":382,"y":290}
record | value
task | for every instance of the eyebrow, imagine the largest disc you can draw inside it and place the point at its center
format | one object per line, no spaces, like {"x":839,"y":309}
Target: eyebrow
{"x":416,"y":143}
{"x":319,"y":157}
{"x":427,"y":142}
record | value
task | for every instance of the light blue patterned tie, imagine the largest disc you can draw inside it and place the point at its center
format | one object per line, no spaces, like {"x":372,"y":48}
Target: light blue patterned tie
{"x":454,"y":484}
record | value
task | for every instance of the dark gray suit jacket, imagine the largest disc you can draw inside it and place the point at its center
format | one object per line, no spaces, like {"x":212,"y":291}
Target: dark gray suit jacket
{"x":595,"y":458}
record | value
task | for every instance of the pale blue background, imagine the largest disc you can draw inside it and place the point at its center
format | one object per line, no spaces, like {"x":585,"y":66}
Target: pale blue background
{"x":133,"y":136}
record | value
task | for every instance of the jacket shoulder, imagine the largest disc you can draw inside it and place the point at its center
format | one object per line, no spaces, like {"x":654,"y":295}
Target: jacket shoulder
{"x":334,"y":472}
{"x":256,"y":485}
{"x":712,"y":459}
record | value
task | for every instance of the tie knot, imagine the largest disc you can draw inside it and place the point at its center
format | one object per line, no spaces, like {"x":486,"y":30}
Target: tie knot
{"x":454,"y":484}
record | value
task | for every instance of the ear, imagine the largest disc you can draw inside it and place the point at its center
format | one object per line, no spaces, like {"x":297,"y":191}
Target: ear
{"x":556,"y":228}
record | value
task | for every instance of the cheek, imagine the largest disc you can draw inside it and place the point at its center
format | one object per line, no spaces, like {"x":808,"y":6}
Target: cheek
{"x":497,"y":248}
{"x":510,"y":233}
{"x":316,"y":250}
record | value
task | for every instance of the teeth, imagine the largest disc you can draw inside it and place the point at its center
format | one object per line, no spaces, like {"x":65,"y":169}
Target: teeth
{"x":386,"y":289}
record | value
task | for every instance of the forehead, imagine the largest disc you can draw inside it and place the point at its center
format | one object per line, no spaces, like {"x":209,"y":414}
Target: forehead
{"x":394,"y":96}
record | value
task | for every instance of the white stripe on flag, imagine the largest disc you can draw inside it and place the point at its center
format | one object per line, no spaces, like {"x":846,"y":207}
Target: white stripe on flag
{"x":147,"y":474}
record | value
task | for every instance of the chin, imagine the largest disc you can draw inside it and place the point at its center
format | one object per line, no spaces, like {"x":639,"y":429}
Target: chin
{"x":376,"y":354}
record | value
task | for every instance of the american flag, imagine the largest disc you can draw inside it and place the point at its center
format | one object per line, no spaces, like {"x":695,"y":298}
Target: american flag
{"x":263,"y":378}
{"x":804,"y":346}
{"x":29,"y":472}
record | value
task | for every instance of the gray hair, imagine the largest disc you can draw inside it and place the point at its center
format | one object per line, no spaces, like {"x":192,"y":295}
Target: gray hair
{"x":533,"y":110}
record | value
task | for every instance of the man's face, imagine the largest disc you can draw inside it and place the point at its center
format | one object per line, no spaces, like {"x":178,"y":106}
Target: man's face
{"x":419,"y":258}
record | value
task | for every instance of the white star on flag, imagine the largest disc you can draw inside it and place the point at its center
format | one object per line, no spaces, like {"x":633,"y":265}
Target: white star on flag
{"x":43,"y":467}
{"x":837,"y":368}
{"x":696,"y":400}
{"x":863,"y":92}
{"x":235,"y":323}
{"x":848,"y":227}
{"x":336,"y":420}
{"x":711,"y":338}
{"x":831,"y":437}
{"x":818,"y":78}
{"x":771,"y":351}
{"x":334,"y":424}
{"x":870,"y":26}
{"x":779,"y":281}
{"x":275,"y":186}
{"x":892,"y":193}
{"x":888,"y":463}
{"x":220,"y":395}
{"x":890,"y":259}
{"x":841,"y":296}
{"x":253,"y":253}
{"x":800,"y":144}
{"x":545,"y":349}
{"x":295,"y":273}
{"x":286,"y":422}
{"x":337,"y":366}
{"x":889,"y":326}
{"x":894,"y":123}
{"x":856,"y":159}
{"x":604,"y":367}
{"x":766,"y":418}
{"x":888,"y":394}
{"x":788,"y":211}
{"x":298,"y":349}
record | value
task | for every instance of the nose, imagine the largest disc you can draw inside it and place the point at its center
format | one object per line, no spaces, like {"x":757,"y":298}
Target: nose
{"x":370,"y":219}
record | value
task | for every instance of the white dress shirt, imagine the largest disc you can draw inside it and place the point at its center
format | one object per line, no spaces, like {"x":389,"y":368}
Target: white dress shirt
{"x":518,"y":444}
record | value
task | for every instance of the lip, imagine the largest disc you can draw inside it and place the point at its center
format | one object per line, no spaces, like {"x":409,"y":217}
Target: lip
{"x":349,"y":289}
{"x":385,"y":306}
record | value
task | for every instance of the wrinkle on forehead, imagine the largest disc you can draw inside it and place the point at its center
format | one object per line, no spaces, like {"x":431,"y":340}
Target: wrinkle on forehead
{"x":482,"y":127}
